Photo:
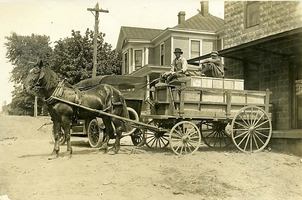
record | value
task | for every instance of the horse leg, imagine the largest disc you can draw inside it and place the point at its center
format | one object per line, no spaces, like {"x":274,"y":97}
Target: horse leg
{"x":56,"y":134}
{"x":66,"y":126}
{"x":108,"y":131}
{"x":117,"y":139}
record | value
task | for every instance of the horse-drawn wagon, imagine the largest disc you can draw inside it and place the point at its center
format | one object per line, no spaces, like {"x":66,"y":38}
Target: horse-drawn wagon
{"x":188,"y":111}
{"x":216,"y":110}
{"x":183,"y":112}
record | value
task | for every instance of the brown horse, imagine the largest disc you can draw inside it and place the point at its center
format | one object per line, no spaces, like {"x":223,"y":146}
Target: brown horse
{"x":44,"y":82}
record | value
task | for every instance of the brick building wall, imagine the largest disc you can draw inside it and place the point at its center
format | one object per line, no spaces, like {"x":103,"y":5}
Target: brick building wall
{"x":272,"y":72}
{"x":275,"y":17}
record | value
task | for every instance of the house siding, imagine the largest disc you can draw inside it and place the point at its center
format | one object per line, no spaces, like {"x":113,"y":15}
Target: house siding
{"x":183,"y":43}
{"x":168,"y":52}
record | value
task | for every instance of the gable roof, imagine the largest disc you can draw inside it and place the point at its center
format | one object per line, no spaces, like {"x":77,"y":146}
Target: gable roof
{"x":139,"y":33}
{"x":205,"y":23}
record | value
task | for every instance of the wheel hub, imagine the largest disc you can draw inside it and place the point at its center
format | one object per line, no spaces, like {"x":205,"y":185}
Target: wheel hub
{"x":252,"y":130}
{"x":185,"y":139}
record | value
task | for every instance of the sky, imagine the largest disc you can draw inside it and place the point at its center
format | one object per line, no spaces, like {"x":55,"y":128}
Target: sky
{"x":56,"y":18}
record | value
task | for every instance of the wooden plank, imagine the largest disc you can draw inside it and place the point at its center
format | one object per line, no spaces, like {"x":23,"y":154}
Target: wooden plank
{"x":229,"y":105}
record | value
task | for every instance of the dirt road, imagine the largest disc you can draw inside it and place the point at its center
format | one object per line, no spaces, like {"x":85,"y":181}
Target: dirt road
{"x":27,"y":174}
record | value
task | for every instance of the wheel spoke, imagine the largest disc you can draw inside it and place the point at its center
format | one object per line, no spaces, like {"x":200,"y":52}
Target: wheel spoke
{"x":259,"y":138}
{"x":213,"y":132}
{"x":164,"y":138}
{"x":255,"y":141}
{"x":240,"y":129}
{"x":181,"y":149}
{"x":251,"y":144}
{"x":243,"y":119}
{"x":185,"y":147}
{"x":178,"y":146}
{"x":248,"y":137}
{"x":259,"y":119}
{"x":261,"y":123}
{"x":179,"y":133}
{"x":241,"y":134}
{"x":162,"y":142}
{"x":255,"y":119}
{"x":242,"y":125}
{"x":263,"y":128}
{"x":261,"y":134}
{"x":194,"y":138}
{"x":188,"y":145}
{"x":192,"y":142}
{"x":153,"y":139}
{"x":175,"y":136}
{"x":192,"y":133}
{"x":191,"y":145}
{"x":243,"y":139}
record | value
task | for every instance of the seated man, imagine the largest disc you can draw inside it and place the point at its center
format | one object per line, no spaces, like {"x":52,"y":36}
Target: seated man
{"x":178,"y":67}
{"x":213,"y":66}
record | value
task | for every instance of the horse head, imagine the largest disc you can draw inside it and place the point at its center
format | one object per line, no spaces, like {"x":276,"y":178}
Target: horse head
{"x":40,"y":79}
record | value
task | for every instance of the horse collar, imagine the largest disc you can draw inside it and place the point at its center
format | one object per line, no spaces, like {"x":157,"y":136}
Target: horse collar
{"x":58,"y":92}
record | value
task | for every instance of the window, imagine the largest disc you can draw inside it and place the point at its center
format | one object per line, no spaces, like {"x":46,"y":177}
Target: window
{"x":195,"y":48}
{"x":252,"y":13}
{"x":126,"y":63}
{"x":162,"y":54}
{"x":138,"y":58}
{"x":207,"y":46}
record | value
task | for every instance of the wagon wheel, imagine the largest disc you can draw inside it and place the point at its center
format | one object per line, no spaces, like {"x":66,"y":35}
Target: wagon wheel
{"x":214,"y":135}
{"x":137,"y":137}
{"x":95,"y":134}
{"x":251,"y":129}
{"x":155,"y":139}
{"x":135,"y":134}
{"x":185,"y":138}
{"x":62,"y":139}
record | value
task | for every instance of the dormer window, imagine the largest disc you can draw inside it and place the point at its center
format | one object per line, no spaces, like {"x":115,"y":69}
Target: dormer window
{"x":252,"y":14}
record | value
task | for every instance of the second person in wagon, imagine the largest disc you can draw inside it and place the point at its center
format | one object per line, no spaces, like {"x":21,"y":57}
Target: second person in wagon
{"x":212,"y":66}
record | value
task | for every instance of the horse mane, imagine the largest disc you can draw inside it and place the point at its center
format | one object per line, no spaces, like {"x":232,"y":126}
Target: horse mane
{"x":51,"y":78}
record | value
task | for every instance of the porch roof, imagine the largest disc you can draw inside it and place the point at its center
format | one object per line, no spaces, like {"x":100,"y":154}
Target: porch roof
{"x":286,"y":44}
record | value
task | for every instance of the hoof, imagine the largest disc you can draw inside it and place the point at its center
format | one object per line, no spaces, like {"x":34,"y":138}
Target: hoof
{"x":111,"y":153}
{"x":105,"y":149}
{"x":54,"y":156}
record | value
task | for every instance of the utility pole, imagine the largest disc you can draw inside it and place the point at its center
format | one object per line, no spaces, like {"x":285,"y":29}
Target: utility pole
{"x":36,"y":107}
{"x":95,"y":11}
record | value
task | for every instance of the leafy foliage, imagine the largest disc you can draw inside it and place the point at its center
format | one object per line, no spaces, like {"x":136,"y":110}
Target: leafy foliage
{"x":73,"y":57}
{"x":24,"y":51}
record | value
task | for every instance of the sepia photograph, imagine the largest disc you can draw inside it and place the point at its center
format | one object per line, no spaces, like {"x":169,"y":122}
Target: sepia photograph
{"x":150,"y":99}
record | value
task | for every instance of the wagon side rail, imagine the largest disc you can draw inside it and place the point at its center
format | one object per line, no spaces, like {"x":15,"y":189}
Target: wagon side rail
{"x":206,"y":102}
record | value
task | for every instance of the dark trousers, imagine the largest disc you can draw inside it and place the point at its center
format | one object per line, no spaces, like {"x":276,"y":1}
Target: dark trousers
{"x":167,"y":77}
{"x":211,"y":70}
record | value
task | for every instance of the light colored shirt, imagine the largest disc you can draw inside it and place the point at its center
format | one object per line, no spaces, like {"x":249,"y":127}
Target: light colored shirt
{"x":179,"y":64}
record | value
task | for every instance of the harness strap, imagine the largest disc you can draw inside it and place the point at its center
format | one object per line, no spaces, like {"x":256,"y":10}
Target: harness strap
{"x":56,"y":93}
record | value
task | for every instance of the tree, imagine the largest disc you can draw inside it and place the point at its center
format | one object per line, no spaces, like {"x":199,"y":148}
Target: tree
{"x":24,"y":52}
{"x":73,"y":57}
